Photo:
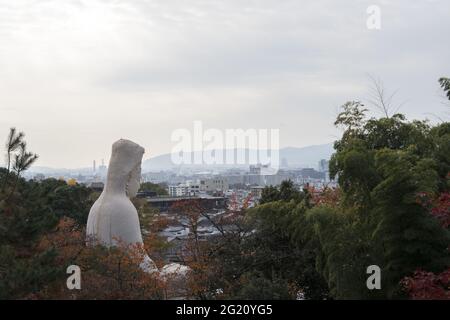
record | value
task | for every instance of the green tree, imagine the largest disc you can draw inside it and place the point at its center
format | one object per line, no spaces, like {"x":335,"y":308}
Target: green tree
{"x":67,"y":201}
{"x":257,"y":287}
{"x":283,"y":245}
{"x":343,"y":251}
{"x":382,"y":165}
{"x":445,"y":84}
{"x":13,"y":143}
{"x":269,"y":194}
{"x":407,"y":234}
{"x":28,"y":211}
{"x":160,"y":189}
{"x":286,"y":192}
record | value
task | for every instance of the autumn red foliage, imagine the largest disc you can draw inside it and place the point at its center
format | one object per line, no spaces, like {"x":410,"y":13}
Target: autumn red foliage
{"x":326,"y":196}
{"x":423,"y":285}
{"x":441,"y":209}
{"x":428,"y":286}
{"x":107,"y":273}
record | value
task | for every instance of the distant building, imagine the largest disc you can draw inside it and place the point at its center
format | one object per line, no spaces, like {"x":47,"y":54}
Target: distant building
{"x":217,"y":184}
{"x":97,"y":186}
{"x":39,"y":177}
{"x":323,"y":165}
{"x":276,"y":179}
{"x":207,"y":202}
{"x":184,"y":189}
{"x":312,"y":174}
{"x":180,"y":190}
{"x":102,"y":169}
{"x":156,"y":177}
{"x":257,"y":191}
{"x":255,"y":169}
{"x":253,"y":179}
{"x":196,"y":187}
{"x":235,"y":179}
{"x":146,"y":194}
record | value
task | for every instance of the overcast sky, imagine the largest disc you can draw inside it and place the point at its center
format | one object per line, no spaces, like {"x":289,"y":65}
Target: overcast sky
{"x":77,"y":75}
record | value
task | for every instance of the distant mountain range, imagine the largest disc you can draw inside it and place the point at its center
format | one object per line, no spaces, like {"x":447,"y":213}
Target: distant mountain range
{"x":60,"y":171}
{"x":294,"y":157}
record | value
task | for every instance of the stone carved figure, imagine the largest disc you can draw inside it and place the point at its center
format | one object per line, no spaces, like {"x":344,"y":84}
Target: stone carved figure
{"x":113,"y":217}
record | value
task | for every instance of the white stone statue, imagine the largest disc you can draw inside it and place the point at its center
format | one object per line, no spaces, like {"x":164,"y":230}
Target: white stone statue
{"x":113,"y":216}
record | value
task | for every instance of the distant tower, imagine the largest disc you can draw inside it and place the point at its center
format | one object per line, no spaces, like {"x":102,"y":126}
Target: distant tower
{"x":94,"y":167}
{"x":102,"y":170}
{"x":323,"y":165}
{"x":284,"y":163}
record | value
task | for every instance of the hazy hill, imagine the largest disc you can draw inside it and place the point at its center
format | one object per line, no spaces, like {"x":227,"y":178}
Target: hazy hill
{"x":296,"y":157}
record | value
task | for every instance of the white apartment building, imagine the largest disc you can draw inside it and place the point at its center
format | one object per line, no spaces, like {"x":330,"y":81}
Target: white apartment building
{"x":178,"y":190}
{"x":190,"y":188}
{"x":193,"y":188}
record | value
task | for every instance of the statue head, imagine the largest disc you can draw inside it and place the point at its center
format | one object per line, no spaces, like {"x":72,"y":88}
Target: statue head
{"x":134,"y":181}
{"x":124,"y":170}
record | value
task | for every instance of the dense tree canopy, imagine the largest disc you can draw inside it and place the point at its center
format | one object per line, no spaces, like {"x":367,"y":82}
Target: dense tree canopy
{"x":390,"y":209}
{"x":160,"y":189}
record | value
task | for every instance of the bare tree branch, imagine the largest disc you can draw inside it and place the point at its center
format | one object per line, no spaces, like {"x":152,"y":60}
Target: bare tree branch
{"x":381,"y":99}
